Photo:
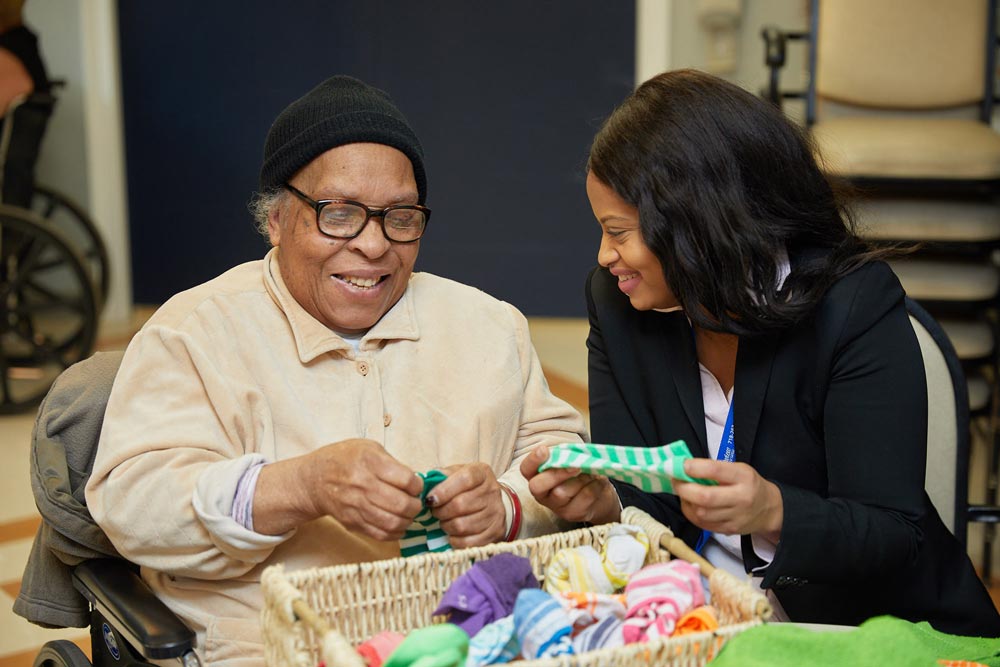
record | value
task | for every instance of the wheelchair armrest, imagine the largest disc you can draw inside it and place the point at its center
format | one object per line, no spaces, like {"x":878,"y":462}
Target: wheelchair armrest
{"x":125,"y":600}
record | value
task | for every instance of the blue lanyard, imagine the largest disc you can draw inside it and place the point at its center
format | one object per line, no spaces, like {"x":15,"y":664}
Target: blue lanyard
{"x":727,"y":452}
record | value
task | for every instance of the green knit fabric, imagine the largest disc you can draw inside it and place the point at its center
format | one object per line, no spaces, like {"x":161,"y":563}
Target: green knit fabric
{"x":884,"y":640}
{"x":425,"y":533}
{"x":651,"y":469}
{"x":443,"y":645}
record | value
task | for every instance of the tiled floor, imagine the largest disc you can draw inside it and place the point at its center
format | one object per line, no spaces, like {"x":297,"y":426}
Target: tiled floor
{"x":561,"y":347}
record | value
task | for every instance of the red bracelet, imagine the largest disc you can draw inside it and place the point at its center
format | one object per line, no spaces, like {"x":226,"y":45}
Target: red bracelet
{"x":515,"y":521}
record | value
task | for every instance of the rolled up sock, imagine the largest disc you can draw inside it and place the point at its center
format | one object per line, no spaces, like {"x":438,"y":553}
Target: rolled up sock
{"x":541,"y":624}
{"x":494,"y":644}
{"x":585,"y":609}
{"x":442,"y":645}
{"x":486,"y":592}
{"x":606,"y":633}
{"x":376,"y":650}
{"x":577,"y":569}
{"x":657,"y":596}
{"x":700,"y":619}
{"x":624,"y":553}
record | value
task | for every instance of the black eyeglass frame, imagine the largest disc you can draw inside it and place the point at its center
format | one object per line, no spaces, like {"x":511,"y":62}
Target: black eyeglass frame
{"x":370,"y":212}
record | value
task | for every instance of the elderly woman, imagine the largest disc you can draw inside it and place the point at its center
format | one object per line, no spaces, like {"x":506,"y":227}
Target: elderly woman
{"x":279,"y":412}
{"x":735,"y":309}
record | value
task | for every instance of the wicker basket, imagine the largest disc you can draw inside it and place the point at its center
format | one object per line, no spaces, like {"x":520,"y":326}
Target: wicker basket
{"x":318,"y":615}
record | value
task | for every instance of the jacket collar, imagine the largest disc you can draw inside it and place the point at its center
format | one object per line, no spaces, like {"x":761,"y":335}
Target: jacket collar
{"x":313,"y":338}
{"x":679,"y":348}
{"x":753,"y":374}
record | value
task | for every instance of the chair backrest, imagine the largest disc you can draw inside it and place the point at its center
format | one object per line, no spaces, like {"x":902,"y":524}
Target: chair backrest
{"x":915,"y":54}
{"x":946,"y":479}
{"x":24,"y":126}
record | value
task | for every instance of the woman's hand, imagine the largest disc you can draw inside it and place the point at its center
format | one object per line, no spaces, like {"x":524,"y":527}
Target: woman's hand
{"x":469,"y":505}
{"x":742,"y":503}
{"x":570,"y":495}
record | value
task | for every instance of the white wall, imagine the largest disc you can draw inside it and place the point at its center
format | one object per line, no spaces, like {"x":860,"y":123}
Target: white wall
{"x":62,"y":163}
{"x":653,"y":37}
{"x":690,"y":42}
{"x":673,"y":34}
{"x":82,"y":154}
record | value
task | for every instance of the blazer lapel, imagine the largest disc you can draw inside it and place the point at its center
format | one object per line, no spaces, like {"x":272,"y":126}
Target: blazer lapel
{"x":753,"y":373}
{"x":678,"y":346}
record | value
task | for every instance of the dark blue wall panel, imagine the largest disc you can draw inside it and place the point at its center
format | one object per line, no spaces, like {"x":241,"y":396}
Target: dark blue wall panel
{"x":505,"y":97}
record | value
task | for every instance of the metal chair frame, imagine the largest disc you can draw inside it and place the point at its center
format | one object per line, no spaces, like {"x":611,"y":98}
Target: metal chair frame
{"x":776,"y":48}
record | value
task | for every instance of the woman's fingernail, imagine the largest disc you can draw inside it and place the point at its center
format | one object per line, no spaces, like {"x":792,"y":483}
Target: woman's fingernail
{"x":431,"y":500}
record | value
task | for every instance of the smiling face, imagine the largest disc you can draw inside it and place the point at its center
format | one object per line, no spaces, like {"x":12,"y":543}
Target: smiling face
{"x":348,"y":285}
{"x":624,"y":253}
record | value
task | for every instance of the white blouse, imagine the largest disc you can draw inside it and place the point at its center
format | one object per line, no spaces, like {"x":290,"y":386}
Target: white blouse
{"x":724,"y":550}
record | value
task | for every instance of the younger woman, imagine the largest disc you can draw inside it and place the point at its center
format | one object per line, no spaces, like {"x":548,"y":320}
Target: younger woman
{"x":735,"y":303}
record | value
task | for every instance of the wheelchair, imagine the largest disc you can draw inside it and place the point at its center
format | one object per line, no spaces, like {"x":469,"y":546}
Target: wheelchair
{"x":129,"y":625}
{"x":54,"y":274}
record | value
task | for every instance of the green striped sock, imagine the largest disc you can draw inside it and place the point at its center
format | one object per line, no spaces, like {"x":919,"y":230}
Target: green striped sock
{"x":425,"y":533}
{"x":651,"y":469}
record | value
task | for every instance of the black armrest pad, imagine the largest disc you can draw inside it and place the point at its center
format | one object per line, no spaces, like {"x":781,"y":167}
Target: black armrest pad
{"x":118,"y":592}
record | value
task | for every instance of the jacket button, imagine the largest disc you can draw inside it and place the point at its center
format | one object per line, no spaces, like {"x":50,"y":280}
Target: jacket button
{"x":363,"y":367}
{"x":386,"y":419}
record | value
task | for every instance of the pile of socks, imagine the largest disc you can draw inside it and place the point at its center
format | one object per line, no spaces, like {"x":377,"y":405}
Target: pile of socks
{"x":497,"y":612}
{"x":597,"y":599}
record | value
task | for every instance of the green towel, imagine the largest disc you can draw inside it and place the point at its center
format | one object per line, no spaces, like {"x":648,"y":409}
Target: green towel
{"x":651,"y":469}
{"x":883,"y":640}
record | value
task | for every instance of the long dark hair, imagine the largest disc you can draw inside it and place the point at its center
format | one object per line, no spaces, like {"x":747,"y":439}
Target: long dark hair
{"x":725,"y":186}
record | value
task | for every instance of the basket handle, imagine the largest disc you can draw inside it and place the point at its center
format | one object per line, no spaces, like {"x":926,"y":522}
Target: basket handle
{"x":759,"y":605}
{"x":662,"y":534}
{"x":677,"y":547}
{"x":312,"y":619}
{"x":336,"y":650}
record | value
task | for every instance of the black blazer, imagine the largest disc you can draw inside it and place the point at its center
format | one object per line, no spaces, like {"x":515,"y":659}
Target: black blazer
{"x":833,"y":411}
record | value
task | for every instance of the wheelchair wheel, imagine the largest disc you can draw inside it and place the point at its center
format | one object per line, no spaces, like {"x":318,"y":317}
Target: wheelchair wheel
{"x":48,"y":308}
{"x":65,"y":216}
{"x":61,"y":653}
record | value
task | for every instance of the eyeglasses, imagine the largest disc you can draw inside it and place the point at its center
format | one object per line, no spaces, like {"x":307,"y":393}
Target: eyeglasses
{"x":345,"y":219}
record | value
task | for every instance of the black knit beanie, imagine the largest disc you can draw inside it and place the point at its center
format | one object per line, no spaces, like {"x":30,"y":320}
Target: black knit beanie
{"x":341,"y":110}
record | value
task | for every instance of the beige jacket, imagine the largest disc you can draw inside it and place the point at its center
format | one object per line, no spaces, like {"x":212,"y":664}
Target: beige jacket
{"x":234,"y":370}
